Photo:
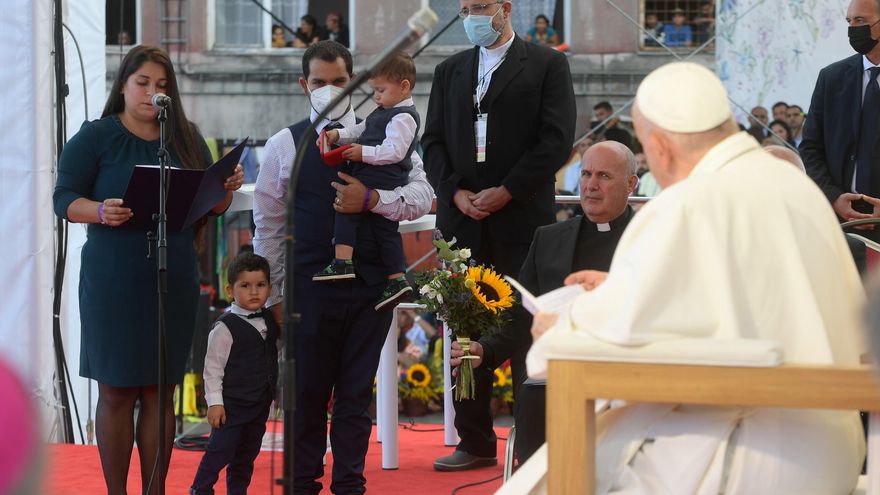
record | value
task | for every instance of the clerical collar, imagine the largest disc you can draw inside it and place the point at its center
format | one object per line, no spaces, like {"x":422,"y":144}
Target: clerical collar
{"x":616,"y":224}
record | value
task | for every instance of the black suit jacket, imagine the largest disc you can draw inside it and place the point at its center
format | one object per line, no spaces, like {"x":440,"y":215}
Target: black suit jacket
{"x":530,"y":131}
{"x":550,"y":259}
{"x":831,"y":131}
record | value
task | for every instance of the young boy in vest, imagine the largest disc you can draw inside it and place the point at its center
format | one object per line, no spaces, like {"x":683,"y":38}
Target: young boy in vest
{"x":381,"y":160}
{"x":241,"y":370}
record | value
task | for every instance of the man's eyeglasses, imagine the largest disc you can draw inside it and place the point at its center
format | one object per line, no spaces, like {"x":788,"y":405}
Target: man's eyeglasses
{"x":477,"y":9}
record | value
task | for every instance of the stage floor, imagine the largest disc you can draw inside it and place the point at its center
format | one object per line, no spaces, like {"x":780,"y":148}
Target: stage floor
{"x":76,"y":469}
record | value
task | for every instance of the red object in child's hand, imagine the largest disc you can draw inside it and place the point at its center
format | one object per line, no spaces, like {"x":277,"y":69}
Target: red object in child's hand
{"x":332,"y":156}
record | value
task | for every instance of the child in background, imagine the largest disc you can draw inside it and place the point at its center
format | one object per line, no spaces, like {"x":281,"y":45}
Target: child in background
{"x":241,"y":370}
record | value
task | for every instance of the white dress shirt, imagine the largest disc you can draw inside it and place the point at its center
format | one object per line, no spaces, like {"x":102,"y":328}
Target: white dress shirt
{"x":219,"y":345}
{"x":402,"y":203}
{"x":399,"y":135}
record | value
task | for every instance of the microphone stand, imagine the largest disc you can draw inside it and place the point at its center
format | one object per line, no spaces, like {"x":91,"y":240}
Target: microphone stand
{"x":161,"y":240}
{"x":291,"y":317}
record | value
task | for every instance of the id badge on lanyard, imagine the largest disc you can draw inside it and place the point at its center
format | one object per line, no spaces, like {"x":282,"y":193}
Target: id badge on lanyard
{"x":480,"y":136}
{"x":480,"y":125}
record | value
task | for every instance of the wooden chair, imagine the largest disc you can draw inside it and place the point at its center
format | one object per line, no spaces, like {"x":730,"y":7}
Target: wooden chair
{"x":573,"y":386}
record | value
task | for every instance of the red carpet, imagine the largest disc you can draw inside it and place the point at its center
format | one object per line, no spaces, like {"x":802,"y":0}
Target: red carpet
{"x":76,"y":469}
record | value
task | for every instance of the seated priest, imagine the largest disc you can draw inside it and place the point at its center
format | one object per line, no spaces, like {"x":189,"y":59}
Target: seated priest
{"x":739,"y":245}
{"x":607,"y":178}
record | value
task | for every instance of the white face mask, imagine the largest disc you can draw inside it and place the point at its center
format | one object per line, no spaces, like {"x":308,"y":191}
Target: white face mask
{"x":322,"y":97}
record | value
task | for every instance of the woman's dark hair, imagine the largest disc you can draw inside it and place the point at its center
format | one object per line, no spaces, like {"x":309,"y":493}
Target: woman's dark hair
{"x":310,"y":21}
{"x":542,"y":16}
{"x":789,"y":139}
{"x":181,"y":132}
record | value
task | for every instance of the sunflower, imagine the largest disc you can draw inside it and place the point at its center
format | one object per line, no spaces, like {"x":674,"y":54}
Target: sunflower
{"x":418,"y":375}
{"x":490,"y":289}
{"x":500,"y":378}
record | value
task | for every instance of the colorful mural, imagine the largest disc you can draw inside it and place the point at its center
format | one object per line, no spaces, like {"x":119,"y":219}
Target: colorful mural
{"x":772,"y":50}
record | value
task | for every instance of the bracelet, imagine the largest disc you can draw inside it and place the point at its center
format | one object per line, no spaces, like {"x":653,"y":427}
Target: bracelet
{"x":101,"y":213}
{"x":365,"y":207}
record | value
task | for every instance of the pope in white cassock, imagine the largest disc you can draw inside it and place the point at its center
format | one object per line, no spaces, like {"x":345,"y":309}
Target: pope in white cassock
{"x":739,"y":245}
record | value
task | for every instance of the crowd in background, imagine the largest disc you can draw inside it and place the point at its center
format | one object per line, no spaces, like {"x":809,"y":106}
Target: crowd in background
{"x":310,"y":32}
{"x":675,"y":31}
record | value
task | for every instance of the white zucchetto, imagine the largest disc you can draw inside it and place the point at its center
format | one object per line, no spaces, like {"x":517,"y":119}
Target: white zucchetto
{"x":683,"y":97}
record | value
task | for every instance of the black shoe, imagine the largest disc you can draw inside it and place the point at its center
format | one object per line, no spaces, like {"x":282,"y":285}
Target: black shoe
{"x":338,"y":270}
{"x":396,"y":292}
{"x":462,"y":461}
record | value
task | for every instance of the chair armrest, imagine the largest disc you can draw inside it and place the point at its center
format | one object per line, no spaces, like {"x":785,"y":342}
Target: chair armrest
{"x":573,"y":386}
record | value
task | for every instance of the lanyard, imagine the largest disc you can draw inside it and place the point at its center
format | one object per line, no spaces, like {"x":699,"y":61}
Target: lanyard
{"x":483,"y":82}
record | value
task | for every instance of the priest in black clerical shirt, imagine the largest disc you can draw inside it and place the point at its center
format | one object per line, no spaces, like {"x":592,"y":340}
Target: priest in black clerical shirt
{"x":608,"y":178}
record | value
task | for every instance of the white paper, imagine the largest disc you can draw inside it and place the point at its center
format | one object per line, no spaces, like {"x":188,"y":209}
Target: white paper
{"x":554,"y":301}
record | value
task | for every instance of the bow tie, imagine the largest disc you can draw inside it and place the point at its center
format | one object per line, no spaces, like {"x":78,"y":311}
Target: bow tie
{"x":258,"y":314}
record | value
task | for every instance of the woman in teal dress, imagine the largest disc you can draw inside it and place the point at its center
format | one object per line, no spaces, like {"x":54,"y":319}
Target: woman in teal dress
{"x":117,"y":291}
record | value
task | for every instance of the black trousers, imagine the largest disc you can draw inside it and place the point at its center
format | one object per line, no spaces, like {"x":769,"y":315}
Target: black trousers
{"x":385,"y":231}
{"x":234,"y":445}
{"x":530,"y":417}
{"x":473,"y":418}
{"x":337,"y":351}
{"x":346,"y":225}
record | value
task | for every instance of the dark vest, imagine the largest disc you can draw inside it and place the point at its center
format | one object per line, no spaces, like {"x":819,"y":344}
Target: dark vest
{"x":378,"y":120}
{"x":252,"y":367}
{"x":314,"y":218}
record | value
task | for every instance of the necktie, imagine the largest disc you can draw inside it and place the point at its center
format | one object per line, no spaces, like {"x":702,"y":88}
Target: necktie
{"x":868,"y":133}
{"x":258,"y":314}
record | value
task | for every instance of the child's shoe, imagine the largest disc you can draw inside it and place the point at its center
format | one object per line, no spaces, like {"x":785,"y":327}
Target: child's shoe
{"x":396,"y":292}
{"x":338,"y":270}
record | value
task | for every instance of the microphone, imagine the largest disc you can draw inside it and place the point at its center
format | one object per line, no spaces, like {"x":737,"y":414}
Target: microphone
{"x":420,"y":23}
{"x":161,"y":100}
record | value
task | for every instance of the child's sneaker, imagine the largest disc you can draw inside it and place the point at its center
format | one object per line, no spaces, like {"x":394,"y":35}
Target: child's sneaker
{"x":338,"y":270}
{"x":396,"y":292}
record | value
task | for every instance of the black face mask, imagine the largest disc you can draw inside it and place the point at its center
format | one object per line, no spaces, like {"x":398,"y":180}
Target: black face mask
{"x":860,"y":38}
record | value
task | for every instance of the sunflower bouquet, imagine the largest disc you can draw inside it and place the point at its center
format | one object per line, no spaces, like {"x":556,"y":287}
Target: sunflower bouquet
{"x":470,"y":299}
{"x":417,"y":383}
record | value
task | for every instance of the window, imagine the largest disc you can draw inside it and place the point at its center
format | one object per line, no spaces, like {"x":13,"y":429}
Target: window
{"x":523,"y":19}
{"x":677,"y":24}
{"x":242,"y":24}
{"x":121,"y":22}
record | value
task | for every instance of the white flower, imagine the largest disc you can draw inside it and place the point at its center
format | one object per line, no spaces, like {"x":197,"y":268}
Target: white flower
{"x":440,"y":298}
{"x":431,"y":293}
{"x":424,"y":290}
{"x":464,"y":253}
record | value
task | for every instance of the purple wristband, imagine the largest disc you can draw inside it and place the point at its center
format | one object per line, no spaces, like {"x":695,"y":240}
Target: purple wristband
{"x":365,"y":207}
{"x":101,"y":213}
